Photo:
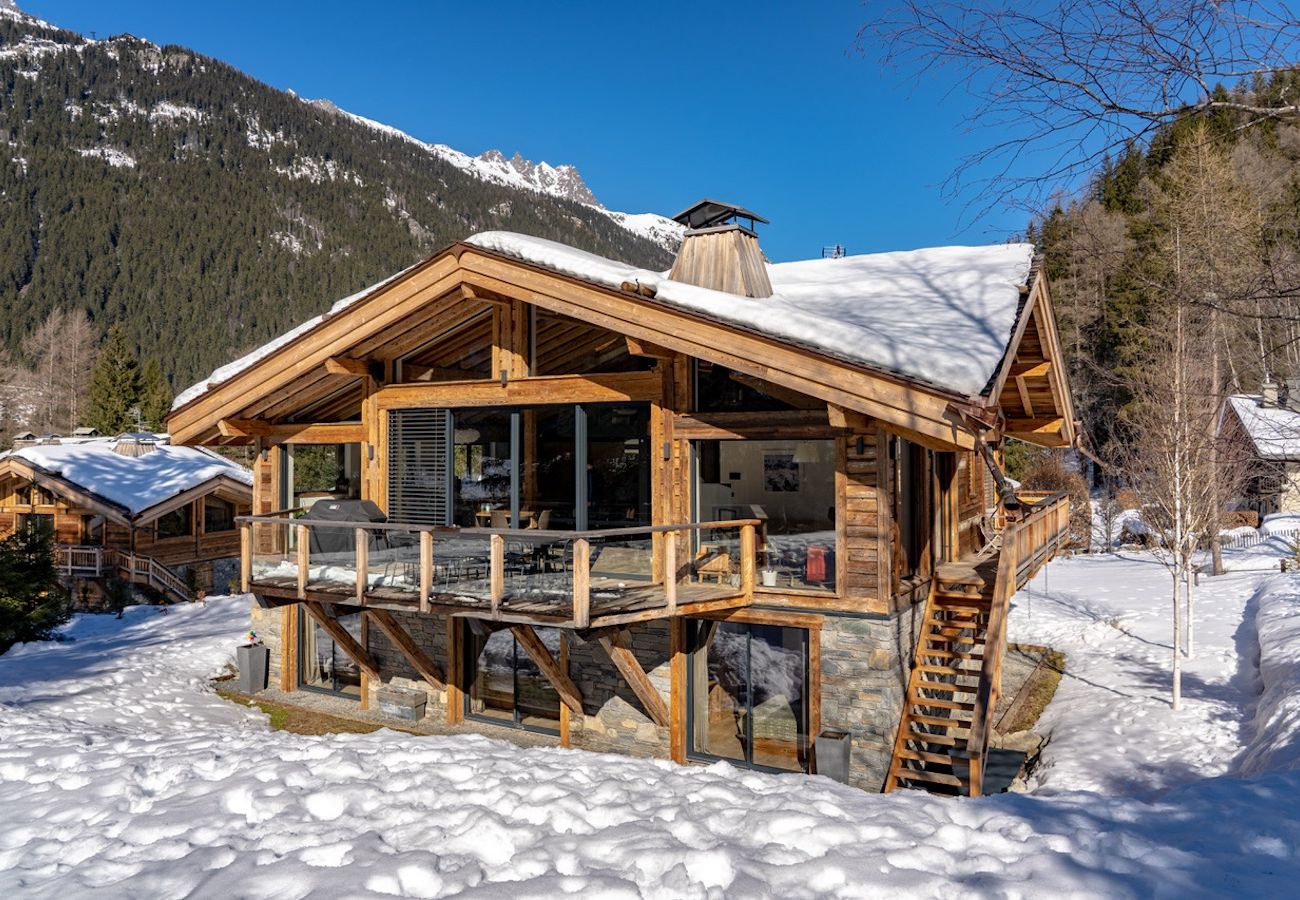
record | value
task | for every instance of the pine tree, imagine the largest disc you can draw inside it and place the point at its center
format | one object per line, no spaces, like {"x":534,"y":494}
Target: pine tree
{"x":32,"y":604}
{"x":155,"y":394}
{"x":115,"y":385}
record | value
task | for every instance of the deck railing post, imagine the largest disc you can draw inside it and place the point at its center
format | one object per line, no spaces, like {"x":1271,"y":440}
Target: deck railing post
{"x":363,"y":564}
{"x":426,"y":569}
{"x":581,"y":583}
{"x":670,"y":571}
{"x":497,"y":572}
{"x":748,"y":551}
{"x":304,"y":559}
{"x":245,"y":556}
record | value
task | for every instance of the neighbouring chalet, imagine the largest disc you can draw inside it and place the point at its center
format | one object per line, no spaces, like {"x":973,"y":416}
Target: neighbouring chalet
{"x":1267,"y":428}
{"x":132,"y":505}
{"x":718,"y":513}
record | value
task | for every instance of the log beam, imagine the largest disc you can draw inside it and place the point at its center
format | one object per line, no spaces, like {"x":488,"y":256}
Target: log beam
{"x":292,"y":432}
{"x":418,"y":659}
{"x":615,"y":646}
{"x":528,"y":638}
{"x":340,"y":636}
{"x":637,"y":347}
{"x":346,"y":365}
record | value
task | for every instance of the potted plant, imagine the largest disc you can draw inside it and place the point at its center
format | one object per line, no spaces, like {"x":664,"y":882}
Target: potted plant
{"x":768,"y":573}
{"x":253,"y":657}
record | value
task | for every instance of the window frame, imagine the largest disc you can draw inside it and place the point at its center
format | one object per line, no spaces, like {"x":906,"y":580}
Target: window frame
{"x":472,"y":651}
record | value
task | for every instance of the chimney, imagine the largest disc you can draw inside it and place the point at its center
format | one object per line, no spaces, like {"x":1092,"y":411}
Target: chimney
{"x":1269,"y":390}
{"x":719,"y":252}
{"x":135,"y":444}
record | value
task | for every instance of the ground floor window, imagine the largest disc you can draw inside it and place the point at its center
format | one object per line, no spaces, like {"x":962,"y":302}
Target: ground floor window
{"x":748,"y":698}
{"x":322,"y":664}
{"x":506,"y":686}
{"x":41,"y":522}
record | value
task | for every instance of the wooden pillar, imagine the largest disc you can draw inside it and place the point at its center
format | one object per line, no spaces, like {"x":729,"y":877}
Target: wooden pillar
{"x":581,"y":583}
{"x":290,"y":622}
{"x":455,"y":670}
{"x":677,"y":698}
{"x":565,"y":740}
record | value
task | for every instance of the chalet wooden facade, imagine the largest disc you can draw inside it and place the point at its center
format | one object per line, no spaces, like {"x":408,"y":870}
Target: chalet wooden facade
{"x":692,"y":517}
{"x":129,"y":505}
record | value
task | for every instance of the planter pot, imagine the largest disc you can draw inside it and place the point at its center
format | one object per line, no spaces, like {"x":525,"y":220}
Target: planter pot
{"x":833,"y":755}
{"x":253,"y":662}
{"x":769,"y":577}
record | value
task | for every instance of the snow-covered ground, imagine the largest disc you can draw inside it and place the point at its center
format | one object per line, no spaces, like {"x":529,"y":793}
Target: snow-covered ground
{"x":121,"y":774}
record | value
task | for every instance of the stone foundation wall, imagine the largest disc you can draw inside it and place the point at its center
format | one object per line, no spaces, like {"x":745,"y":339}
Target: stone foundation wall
{"x":865,"y":663}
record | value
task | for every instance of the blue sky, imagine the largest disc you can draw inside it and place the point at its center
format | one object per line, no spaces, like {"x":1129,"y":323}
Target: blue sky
{"x":765,"y":104}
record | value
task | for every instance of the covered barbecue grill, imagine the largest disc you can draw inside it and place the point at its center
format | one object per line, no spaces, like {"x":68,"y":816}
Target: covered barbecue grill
{"x":343,"y":540}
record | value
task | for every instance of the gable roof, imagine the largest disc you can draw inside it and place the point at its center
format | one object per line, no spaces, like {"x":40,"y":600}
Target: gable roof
{"x":911,"y":338}
{"x":1274,"y":431}
{"x":131,"y":485}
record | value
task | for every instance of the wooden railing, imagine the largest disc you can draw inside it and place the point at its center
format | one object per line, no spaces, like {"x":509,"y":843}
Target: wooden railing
{"x":1027,"y":545}
{"x":96,"y":562}
{"x":573,"y":550}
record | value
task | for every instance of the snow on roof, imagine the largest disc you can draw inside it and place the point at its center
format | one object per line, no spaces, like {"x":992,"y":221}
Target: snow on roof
{"x":942,"y":315}
{"x":1274,"y":430}
{"x":134,"y":483}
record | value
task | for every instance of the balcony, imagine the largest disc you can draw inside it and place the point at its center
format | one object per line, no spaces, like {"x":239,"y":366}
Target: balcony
{"x":568,"y":579}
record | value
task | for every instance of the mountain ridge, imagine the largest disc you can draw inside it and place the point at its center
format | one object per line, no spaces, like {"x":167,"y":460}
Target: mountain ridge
{"x":208,"y":212}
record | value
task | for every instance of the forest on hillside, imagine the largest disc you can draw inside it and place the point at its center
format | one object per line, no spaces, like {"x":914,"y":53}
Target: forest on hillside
{"x":1204,"y":218}
{"x":204,"y":212}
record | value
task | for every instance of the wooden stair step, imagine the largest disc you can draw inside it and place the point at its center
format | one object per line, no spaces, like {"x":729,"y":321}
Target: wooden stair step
{"x":938,"y":702}
{"x":946,"y":688}
{"x":947,"y":670}
{"x":940,"y":721}
{"x":948,"y":654}
{"x":904,"y":774}
{"x":926,"y":737}
{"x":934,"y":759}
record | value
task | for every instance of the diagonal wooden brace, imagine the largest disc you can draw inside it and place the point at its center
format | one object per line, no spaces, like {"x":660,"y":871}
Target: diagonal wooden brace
{"x":340,"y":636}
{"x":528,"y":638}
{"x":630,"y":668}
{"x":419,"y":660}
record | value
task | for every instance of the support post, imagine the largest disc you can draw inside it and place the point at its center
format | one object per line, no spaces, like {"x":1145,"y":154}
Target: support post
{"x":581,"y":583}
{"x":304,"y":559}
{"x":426,"y":569}
{"x":748,"y":552}
{"x":677,"y":689}
{"x":670,"y":571}
{"x":245,"y":556}
{"x":455,"y":670}
{"x":362,"y":538}
{"x":497,"y":573}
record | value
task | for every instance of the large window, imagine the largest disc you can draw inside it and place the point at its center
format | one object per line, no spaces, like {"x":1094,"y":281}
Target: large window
{"x":37,"y":522}
{"x":177,"y":523}
{"x":322,"y":664}
{"x":547,"y":467}
{"x":790,"y":487}
{"x":748,"y":694}
{"x":507,"y":687}
{"x":910,"y":493}
{"x":218,"y":515}
{"x":321,"y":472}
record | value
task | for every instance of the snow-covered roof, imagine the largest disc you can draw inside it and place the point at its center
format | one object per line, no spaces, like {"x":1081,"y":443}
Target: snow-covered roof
{"x":1274,"y":430}
{"x":942,"y":315}
{"x":132,"y":483}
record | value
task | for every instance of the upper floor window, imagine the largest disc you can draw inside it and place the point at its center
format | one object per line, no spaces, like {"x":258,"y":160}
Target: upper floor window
{"x":218,"y":515}
{"x":177,"y":523}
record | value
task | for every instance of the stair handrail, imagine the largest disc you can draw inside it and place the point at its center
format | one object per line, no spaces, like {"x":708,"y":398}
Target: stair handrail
{"x":990,"y":681}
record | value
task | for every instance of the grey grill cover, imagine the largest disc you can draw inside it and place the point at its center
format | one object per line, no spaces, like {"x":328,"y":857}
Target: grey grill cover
{"x":341,"y":540}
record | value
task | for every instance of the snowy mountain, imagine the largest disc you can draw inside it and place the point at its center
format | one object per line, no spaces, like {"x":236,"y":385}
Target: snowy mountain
{"x":207,"y":212}
{"x":562,"y":181}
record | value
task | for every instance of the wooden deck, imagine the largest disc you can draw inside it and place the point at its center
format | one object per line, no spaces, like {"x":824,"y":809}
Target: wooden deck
{"x":610,"y":604}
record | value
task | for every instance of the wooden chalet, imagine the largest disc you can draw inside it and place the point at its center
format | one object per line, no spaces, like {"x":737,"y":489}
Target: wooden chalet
{"x":713,"y":514}
{"x":131,"y":505}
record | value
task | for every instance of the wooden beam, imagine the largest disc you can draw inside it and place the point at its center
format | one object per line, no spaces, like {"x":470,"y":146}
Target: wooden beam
{"x":1023,"y":390}
{"x":723,"y":426}
{"x":455,"y":670}
{"x":851,"y":419}
{"x":293,"y":432}
{"x":559,"y":679}
{"x":614,"y":387}
{"x":784,"y":394}
{"x":1038,"y":369}
{"x":414,"y":654}
{"x":340,"y":636}
{"x":581,"y":583}
{"x":677,"y":699}
{"x":637,"y":347}
{"x":346,"y":365}
{"x":1035,"y":426}
{"x":615,"y":645}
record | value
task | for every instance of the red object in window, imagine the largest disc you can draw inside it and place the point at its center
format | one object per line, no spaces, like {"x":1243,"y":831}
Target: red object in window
{"x":814,"y":571}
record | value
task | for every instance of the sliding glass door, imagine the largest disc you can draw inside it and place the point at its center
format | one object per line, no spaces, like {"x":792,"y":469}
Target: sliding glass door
{"x":507,"y":687}
{"x":322,"y":664}
{"x":748,"y":696}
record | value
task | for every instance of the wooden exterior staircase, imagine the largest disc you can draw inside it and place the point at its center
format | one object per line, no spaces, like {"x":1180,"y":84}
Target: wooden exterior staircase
{"x":952,"y":692}
{"x":99,"y":562}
